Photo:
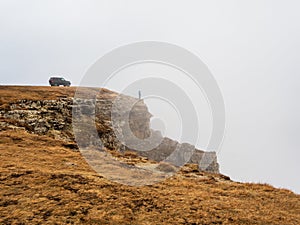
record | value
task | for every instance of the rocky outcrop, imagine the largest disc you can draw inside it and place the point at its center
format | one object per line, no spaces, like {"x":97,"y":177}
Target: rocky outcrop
{"x":54,"y":118}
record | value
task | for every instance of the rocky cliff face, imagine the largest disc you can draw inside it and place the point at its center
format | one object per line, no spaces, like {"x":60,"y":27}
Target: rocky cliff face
{"x":43,"y":181}
{"x":54,"y":118}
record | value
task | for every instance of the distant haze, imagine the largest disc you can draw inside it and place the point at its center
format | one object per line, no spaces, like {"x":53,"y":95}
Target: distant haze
{"x":251,"y":47}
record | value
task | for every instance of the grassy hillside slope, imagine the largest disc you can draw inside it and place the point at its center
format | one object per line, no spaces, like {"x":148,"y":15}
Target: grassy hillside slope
{"x":44,"y":181}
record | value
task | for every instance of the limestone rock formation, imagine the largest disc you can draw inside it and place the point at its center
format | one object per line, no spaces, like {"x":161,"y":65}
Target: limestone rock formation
{"x":93,"y":121}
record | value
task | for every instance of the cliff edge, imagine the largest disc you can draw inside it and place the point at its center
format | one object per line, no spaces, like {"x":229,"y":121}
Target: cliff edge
{"x":45,"y":180}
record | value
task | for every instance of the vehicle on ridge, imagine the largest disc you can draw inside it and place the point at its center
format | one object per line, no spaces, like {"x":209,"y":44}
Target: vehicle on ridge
{"x":57,"y":81}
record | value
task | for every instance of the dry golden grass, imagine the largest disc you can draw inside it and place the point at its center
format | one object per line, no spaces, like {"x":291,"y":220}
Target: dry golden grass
{"x":42,"y":181}
{"x":13,"y":93}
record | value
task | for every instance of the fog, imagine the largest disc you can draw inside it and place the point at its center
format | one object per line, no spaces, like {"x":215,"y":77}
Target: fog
{"x":251,"y":47}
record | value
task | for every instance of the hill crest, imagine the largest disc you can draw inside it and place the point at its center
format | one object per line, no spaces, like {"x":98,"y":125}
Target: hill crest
{"x":45,"y":180}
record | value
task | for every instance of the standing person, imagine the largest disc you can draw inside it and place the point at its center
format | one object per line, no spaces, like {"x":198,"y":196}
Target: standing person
{"x":140,"y":94}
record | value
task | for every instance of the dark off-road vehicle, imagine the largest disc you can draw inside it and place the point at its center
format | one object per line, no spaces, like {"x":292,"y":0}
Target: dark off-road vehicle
{"x":57,"y":81}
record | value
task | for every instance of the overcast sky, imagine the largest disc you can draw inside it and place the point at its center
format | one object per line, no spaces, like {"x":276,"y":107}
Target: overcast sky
{"x":251,"y":47}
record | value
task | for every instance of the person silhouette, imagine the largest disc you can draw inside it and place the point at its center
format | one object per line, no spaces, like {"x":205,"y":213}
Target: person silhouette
{"x":140,"y":94}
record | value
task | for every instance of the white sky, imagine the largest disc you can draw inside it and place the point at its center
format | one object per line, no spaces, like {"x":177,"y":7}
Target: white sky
{"x":251,"y":47}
